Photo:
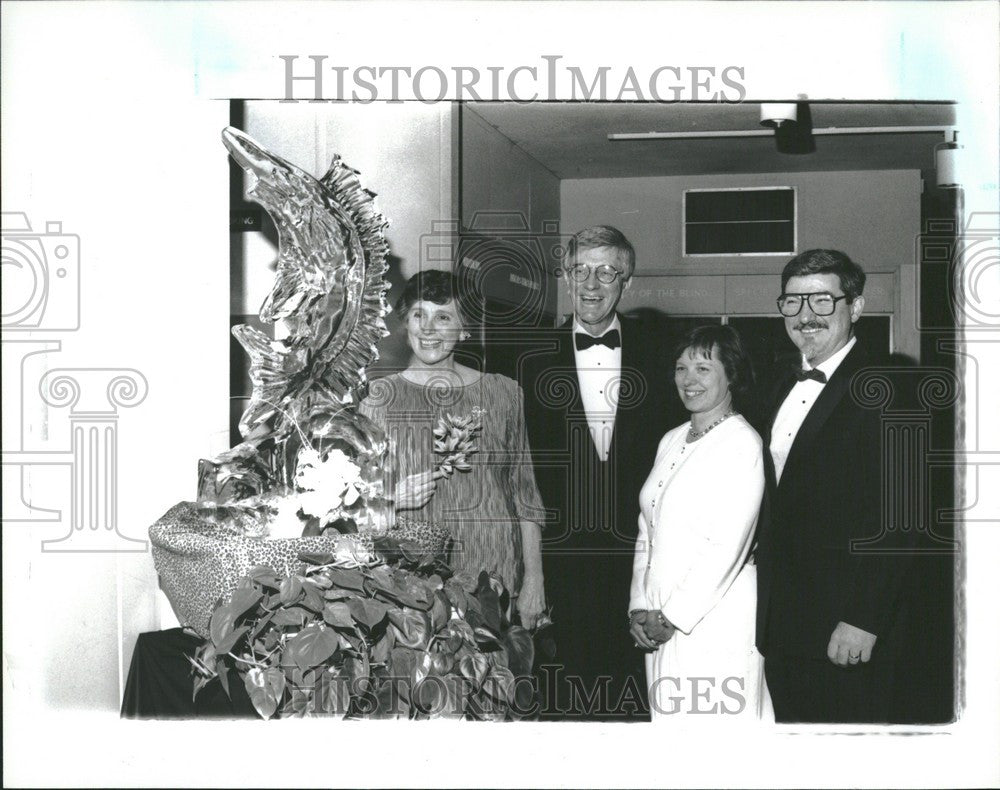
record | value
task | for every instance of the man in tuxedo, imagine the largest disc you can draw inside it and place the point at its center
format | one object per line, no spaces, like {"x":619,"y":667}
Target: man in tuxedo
{"x":596,"y":407}
{"x":828,"y":597}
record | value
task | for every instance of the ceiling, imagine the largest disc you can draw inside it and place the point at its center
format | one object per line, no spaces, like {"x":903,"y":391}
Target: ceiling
{"x":571,"y":138}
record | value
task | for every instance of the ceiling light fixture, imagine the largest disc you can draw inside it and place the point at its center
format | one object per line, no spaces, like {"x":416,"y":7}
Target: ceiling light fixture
{"x":776,"y":114}
{"x":946,"y":161}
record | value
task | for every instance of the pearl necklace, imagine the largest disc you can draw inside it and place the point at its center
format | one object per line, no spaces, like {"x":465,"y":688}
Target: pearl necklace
{"x":693,"y":435}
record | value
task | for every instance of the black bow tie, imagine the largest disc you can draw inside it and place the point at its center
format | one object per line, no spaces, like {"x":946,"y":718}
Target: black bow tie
{"x":814,"y":374}
{"x":612,"y":339}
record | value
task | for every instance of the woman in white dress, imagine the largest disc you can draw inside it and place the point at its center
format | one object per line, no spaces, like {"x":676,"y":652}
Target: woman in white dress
{"x":693,"y":596}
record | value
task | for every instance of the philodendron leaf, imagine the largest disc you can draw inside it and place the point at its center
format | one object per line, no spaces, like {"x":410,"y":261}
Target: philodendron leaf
{"x":411,"y":628}
{"x":302,"y":702}
{"x":440,"y":611}
{"x":347,"y":578}
{"x":338,"y":613}
{"x":455,"y":703}
{"x":294,"y":617}
{"x":498,"y":658}
{"x":265,"y":576}
{"x":403,"y":666}
{"x":222,"y":671}
{"x":312,"y":598}
{"x":317,"y":558}
{"x":467,"y":580}
{"x":261,"y":624}
{"x":457,"y":597}
{"x":442,"y":663}
{"x":414,"y":593}
{"x":367,"y":611}
{"x":312,"y":646}
{"x":221,"y":624}
{"x":231,"y":639}
{"x":381,"y":649}
{"x":389,"y":702}
{"x":429,"y":696}
{"x":382,"y":578}
{"x":290,"y":590}
{"x":474,"y":667}
{"x":337,"y":695}
{"x":265,"y":687}
{"x":244,"y":599}
{"x":200,"y":681}
{"x":464,"y":630}
{"x":489,"y":600}
{"x":520,"y":649}
{"x":500,"y":685}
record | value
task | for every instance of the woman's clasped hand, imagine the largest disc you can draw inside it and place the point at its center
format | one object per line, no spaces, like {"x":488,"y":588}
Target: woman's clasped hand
{"x":650,"y":629}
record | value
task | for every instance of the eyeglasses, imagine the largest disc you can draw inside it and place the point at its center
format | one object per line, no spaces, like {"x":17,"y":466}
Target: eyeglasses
{"x":606,"y":274}
{"x":821,"y":303}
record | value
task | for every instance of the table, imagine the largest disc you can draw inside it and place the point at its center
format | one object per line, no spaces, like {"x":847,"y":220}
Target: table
{"x":160,"y":683}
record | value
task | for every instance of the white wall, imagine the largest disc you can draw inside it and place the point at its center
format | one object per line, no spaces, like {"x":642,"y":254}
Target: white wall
{"x":146,"y":192}
{"x":872,"y":215}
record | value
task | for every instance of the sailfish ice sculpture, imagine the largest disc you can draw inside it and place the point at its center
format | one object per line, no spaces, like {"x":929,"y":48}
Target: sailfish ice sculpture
{"x":302,"y":435}
{"x":330,"y":294}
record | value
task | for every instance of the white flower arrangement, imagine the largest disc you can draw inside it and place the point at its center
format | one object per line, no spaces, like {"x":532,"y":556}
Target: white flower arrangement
{"x":331,"y":489}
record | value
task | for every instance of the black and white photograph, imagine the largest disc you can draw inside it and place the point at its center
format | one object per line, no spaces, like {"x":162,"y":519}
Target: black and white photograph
{"x":501,"y":394}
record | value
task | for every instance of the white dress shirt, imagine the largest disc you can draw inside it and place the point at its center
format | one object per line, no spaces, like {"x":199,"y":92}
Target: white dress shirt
{"x":797,"y":405}
{"x":598,"y":370}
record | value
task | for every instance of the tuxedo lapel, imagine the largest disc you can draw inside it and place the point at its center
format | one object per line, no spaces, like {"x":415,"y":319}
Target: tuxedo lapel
{"x":785,"y":384}
{"x":630,"y":367}
{"x":833,"y":393}
{"x":567,"y":361}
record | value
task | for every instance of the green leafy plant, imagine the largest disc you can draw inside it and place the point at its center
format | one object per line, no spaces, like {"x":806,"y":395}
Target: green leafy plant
{"x":398,"y":638}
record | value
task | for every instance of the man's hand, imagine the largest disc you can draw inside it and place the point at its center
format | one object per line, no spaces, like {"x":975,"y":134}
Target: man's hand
{"x":531,"y":601}
{"x":415,"y":491}
{"x":850,"y":645}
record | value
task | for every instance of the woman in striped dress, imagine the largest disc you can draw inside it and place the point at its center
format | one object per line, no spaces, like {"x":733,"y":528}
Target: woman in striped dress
{"x":488,"y":500}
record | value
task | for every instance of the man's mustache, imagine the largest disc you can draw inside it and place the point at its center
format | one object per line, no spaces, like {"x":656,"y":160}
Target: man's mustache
{"x":811,"y":325}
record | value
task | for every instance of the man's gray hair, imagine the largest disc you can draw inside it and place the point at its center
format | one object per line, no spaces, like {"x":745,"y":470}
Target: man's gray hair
{"x":602,"y":236}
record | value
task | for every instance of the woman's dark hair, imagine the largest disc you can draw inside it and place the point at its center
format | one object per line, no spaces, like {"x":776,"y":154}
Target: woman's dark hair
{"x":724,"y":341}
{"x":432,"y":285}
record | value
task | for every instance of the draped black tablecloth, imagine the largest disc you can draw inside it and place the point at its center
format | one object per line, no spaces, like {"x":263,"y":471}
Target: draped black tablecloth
{"x":160,"y":683}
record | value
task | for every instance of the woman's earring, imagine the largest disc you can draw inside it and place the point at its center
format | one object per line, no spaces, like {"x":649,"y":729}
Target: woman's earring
{"x":464,"y":336}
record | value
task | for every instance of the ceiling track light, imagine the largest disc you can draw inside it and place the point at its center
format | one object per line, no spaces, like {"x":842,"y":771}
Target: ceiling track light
{"x":832,"y":130}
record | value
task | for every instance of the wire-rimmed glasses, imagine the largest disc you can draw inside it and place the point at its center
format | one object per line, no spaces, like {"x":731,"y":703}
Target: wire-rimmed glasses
{"x":606,"y":273}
